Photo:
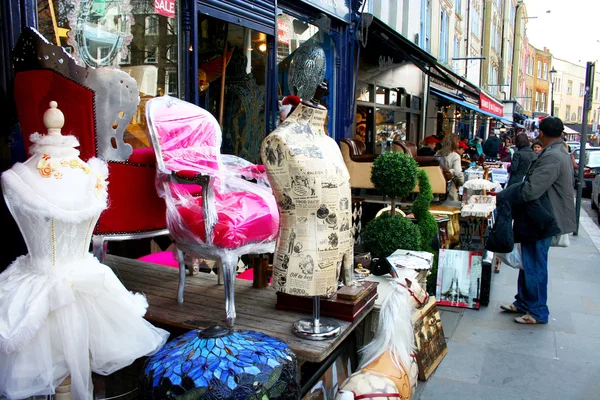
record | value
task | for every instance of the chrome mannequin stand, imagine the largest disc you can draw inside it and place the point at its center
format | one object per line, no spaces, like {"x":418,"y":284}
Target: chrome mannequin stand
{"x":316,"y":328}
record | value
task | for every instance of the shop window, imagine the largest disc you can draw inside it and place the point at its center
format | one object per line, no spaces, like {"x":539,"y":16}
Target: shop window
{"x":124,"y":34}
{"x":363,"y":93}
{"x":389,"y":125}
{"x":394,"y":98}
{"x":234,"y":95}
{"x":381,"y":96}
{"x":298,"y":40}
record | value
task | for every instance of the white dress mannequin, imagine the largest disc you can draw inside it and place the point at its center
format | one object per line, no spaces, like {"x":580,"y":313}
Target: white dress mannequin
{"x":312,"y":186}
{"x":62,"y":313}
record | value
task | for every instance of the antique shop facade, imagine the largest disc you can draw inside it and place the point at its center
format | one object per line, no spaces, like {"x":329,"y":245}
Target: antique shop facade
{"x":231,"y":57}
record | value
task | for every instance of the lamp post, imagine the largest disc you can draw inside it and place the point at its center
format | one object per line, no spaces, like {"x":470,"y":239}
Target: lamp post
{"x":552,"y":73}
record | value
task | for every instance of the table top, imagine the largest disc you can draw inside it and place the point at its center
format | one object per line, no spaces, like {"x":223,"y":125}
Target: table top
{"x":204,"y":305}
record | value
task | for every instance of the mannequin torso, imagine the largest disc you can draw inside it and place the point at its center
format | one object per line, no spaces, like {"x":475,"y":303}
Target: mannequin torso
{"x":312,"y":187}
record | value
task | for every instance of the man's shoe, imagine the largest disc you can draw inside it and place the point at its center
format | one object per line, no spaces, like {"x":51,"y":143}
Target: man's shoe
{"x":511,"y":308}
{"x":527,"y":319}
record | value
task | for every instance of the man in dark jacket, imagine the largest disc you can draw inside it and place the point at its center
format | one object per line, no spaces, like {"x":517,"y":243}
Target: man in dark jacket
{"x":492,"y":145}
{"x":550,"y":179}
{"x":521,"y":160}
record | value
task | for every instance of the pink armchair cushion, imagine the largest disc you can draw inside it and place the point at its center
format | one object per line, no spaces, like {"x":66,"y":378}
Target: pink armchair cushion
{"x":243,"y":218}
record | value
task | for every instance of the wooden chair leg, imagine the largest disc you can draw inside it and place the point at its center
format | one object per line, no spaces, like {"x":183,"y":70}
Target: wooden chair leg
{"x":181,"y":261}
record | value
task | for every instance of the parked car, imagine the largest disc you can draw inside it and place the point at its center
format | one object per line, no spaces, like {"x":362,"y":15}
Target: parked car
{"x":596,"y":195}
{"x":574,"y":146}
{"x":591,"y":168}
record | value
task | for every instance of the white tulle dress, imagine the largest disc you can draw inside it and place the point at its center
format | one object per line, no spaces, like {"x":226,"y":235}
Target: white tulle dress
{"x":61,"y":311}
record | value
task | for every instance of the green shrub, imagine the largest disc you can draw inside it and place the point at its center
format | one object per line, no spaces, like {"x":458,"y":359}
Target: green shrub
{"x":420,"y":208}
{"x":394,"y":174}
{"x":386,"y":234}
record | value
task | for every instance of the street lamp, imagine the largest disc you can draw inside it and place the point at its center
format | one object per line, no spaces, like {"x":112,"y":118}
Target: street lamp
{"x":552,"y":73}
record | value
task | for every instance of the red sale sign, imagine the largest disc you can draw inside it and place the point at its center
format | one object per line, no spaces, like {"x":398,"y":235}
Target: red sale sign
{"x":490,"y":105}
{"x":165,"y":7}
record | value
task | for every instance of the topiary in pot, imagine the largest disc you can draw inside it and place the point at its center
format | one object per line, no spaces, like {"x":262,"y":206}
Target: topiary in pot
{"x":386,"y":234}
{"x":394,"y":175}
{"x":427,"y":224}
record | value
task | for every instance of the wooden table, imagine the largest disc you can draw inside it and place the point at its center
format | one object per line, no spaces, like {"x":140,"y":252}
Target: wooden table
{"x":205,"y":305}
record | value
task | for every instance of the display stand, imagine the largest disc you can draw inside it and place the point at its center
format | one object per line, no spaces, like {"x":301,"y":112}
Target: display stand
{"x":316,"y":328}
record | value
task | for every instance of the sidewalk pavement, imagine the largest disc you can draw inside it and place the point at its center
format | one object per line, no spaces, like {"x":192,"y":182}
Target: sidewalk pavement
{"x":491,"y":357}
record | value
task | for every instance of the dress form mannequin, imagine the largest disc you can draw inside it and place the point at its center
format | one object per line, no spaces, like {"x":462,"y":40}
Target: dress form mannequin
{"x":63,"y":315}
{"x":310,"y":181}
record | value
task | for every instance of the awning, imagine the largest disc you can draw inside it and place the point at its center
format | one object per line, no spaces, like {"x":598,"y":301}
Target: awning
{"x":470,"y":106}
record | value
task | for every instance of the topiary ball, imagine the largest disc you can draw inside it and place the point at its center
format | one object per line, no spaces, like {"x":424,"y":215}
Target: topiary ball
{"x":394,"y":174}
{"x":386,"y":234}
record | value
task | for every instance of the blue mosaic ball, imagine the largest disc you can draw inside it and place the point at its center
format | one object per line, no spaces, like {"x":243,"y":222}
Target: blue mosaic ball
{"x":219,"y":363}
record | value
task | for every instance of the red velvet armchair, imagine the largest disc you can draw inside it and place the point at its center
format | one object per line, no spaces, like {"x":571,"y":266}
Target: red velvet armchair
{"x":98,"y":104}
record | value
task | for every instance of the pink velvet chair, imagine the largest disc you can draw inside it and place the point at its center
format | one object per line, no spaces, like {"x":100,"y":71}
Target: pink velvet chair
{"x":218,"y":206}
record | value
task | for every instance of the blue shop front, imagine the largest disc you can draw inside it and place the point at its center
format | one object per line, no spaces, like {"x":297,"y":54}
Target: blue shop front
{"x":231,"y":57}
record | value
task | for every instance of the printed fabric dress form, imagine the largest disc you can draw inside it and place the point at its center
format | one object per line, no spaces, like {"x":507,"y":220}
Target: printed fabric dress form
{"x":312,"y":186}
{"x":62,"y":312}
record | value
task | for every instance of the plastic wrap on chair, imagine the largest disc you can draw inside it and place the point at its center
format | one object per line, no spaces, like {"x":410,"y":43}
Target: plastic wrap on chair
{"x":213,"y":200}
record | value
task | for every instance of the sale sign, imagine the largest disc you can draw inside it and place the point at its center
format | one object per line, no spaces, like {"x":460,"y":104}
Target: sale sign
{"x":165,"y":7}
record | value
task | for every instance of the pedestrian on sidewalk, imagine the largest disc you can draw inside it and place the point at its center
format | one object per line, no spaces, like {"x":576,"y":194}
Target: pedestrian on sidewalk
{"x":550,"y":179}
{"x":521,"y":160}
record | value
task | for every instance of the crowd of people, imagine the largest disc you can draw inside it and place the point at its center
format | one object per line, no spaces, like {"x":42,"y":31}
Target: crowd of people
{"x":541,"y":176}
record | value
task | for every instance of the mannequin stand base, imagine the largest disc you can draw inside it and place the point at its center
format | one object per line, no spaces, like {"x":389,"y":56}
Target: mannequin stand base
{"x":327,"y":329}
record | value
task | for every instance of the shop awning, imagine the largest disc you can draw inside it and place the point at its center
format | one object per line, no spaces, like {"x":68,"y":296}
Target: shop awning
{"x":470,"y":106}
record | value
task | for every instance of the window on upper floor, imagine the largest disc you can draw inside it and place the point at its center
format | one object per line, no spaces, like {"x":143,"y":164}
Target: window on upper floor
{"x":543,"y":102}
{"x":475,"y":23}
{"x":569,"y":87}
{"x":425,"y":26}
{"x":499,"y":4}
{"x":568,"y":113}
{"x":539,"y":69}
{"x":581,"y":90}
{"x":458,"y":6}
{"x":456,"y":53}
{"x":444,"y":35}
{"x":579,"y":113}
{"x":557,"y":85}
{"x":596,"y":94}
{"x":545,"y":71}
{"x":512,"y":14}
{"x":537,"y":101}
{"x":151,"y":25}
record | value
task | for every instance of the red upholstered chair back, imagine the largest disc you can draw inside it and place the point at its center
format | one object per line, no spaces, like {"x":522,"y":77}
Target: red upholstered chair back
{"x":33,"y":92}
{"x":98,"y":104}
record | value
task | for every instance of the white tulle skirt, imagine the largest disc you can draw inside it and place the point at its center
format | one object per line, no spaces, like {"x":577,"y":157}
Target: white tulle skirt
{"x":73,"y":322}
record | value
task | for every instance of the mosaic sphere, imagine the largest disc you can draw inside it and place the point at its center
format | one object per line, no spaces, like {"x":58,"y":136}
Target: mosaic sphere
{"x":219,"y":363}
{"x":307,"y":70}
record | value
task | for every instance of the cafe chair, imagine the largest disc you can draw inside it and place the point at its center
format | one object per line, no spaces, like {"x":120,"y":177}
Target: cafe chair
{"x":218,"y":206}
{"x":358,"y":163}
{"x":98,"y":104}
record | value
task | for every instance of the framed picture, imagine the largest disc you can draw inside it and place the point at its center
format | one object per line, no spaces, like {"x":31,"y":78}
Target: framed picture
{"x":459,"y":278}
